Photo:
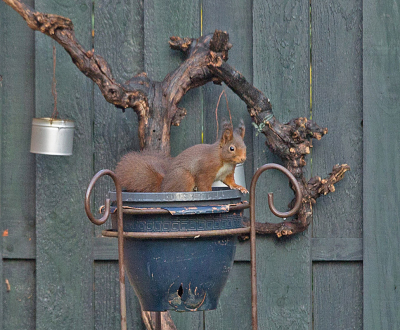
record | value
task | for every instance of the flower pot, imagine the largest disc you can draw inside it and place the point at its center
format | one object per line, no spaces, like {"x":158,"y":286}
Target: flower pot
{"x":52,"y":136}
{"x":182,"y":274}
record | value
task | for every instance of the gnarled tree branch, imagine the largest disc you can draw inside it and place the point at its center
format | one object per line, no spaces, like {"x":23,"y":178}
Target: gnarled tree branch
{"x":291,"y":142}
{"x":206,"y":61}
{"x":92,"y":65}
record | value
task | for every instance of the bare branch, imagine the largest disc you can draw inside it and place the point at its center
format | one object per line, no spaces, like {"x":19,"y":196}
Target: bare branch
{"x":291,"y":142}
{"x":92,"y":65}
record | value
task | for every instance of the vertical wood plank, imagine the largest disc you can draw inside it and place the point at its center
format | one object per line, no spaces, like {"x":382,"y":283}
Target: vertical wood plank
{"x":281,"y":71}
{"x":337,"y":288}
{"x":64,"y":235}
{"x":107,"y":313}
{"x":19,"y":295}
{"x":163,"y":19}
{"x":118,"y":37}
{"x":236,"y":19}
{"x":337,"y":104}
{"x":17,"y":178}
{"x":234,"y":308}
{"x":233,"y":311}
{"x":381,"y":232}
{"x":2,"y":100}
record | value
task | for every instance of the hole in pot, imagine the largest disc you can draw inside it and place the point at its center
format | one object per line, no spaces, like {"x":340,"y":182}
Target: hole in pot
{"x":180,"y":291}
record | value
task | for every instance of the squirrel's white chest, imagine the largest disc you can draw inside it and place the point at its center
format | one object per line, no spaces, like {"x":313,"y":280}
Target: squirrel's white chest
{"x":226,"y":169}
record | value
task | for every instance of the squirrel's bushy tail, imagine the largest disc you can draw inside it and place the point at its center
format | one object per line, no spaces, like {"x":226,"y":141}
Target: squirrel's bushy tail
{"x":142,"y":171}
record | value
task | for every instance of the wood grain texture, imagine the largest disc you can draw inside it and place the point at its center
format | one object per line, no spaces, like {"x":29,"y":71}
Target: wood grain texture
{"x":19,"y":293}
{"x":281,"y":71}
{"x":337,"y":249}
{"x":337,"y":295}
{"x":234,"y":308}
{"x":107,"y":315}
{"x":64,"y":247}
{"x":381,"y":231}
{"x":17,"y":181}
{"x":236,"y":19}
{"x":337,"y":104}
{"x":162,"y":20}
{"x":118,"y":37}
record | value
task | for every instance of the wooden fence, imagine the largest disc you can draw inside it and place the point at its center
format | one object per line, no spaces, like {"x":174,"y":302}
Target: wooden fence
{"x":57,"y":272}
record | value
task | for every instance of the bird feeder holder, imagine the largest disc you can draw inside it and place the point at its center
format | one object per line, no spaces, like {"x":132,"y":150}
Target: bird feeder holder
{"x":188,"y":288}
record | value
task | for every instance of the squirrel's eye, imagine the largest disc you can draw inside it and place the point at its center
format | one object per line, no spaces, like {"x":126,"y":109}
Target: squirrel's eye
{"x":232,"y":148}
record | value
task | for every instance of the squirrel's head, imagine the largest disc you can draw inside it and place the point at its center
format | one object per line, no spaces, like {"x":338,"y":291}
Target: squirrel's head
{"x":232,"y":146}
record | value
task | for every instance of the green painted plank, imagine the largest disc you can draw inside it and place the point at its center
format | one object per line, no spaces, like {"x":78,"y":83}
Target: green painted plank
{"x":17,"y":163}
{"x":337,"y":104}
{"x":281,"y":71}
{"x":381,"y":85}
{"x":338,"y":295}
{"x":233,"y":311}
{"x":64,"y":245}
{"x":18,"y":247}
{"x":18,"y":295}
{"x":118,"y":38}
{"x":162,"y":20}
{"x":188,"y":320}
{"x":107,"y":313}
{"x":106,"y":249}
{"x":234,"y":308}
{"x":17,"y":178}
{"x":337,"y":249}
{"x":2,"y":96}
{"x":236,"y":19}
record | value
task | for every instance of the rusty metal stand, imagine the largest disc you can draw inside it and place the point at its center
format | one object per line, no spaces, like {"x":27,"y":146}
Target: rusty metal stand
{"x":189,"y":234}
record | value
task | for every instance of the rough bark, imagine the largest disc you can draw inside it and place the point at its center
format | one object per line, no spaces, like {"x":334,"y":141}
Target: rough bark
{"x":291,"y":142}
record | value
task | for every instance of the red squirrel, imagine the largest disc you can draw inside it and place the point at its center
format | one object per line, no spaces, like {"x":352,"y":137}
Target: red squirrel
{"x":194,"y":169}
{"x":142,"y":171}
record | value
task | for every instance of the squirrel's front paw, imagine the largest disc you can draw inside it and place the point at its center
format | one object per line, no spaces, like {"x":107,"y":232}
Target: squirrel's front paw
{"x":243,"y":190}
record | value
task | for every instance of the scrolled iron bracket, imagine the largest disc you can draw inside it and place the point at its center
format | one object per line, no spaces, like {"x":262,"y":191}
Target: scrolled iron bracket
{"x":273,"y":209}
{"x":293,"y":181}
{"x":101,"y":221}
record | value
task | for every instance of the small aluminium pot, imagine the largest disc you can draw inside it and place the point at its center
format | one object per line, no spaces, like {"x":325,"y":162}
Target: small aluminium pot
{"x":182,"y":274}
{"x":52,"y":136}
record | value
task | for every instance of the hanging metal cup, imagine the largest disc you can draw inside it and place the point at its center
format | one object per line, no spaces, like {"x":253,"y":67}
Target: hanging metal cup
{"x":52,"y":136}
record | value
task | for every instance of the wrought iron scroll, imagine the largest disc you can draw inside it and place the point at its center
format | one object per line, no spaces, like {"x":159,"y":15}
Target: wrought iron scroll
{"x":120,"y":233}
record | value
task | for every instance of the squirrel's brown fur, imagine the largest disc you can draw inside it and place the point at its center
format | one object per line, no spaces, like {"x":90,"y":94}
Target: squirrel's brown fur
{"x":197,"y":167}
{"x":142,"y":171}
{"x":194,"y":169}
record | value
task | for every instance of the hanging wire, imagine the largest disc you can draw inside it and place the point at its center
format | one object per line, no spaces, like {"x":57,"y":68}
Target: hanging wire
{"x":216,"y":109}
{"x":53,"y":86}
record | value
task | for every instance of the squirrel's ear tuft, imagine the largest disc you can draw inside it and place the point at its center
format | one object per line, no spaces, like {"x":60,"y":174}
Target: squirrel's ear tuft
{"x":241,"y":129}
{"x":227,"y":132}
